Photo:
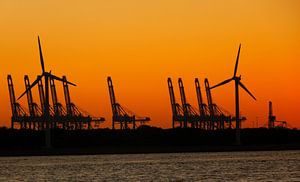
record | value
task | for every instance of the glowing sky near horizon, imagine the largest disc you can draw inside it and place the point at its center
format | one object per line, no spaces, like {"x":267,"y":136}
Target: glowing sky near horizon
{"x":142,"y":43}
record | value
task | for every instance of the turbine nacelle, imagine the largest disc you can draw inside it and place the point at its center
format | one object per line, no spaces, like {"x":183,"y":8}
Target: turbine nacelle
{"x":237,"y":78}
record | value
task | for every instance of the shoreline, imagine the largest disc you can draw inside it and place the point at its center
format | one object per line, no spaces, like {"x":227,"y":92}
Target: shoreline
{"x":141,"y":150}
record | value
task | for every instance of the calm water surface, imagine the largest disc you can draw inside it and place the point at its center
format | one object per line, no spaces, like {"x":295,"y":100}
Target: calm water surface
{"x":222,"y":166}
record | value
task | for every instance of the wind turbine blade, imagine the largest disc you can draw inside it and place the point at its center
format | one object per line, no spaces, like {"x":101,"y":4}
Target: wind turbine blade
{"x":244,"y":87}
{"x":32,"y":85}
{"x":60,"y":79}
{"x":222,"y":83}
{"x":41,"y":55}
{"x":237,"y":61}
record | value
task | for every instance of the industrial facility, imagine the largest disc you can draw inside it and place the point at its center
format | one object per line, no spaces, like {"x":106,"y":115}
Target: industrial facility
{"x":207,"y":117}
{"x":44,"y":116}
{"x":56,"y":115}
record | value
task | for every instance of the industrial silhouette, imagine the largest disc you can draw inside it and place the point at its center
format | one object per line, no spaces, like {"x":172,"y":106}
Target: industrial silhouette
{"x":272,"y":122}
{"x":121,"y":115}
{"x":204,"y":116}
{"x":177,"y":111}
{"x":218,"y":118}
{"x":46,"y":109}
{"x":18,"y":113}
{"x":207,"y":117}
{"x":189,"y":112}
{"x":45,"y":117}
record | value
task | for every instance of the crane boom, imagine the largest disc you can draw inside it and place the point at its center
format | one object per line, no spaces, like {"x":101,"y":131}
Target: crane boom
{"x":201,"y":105}
{"x":41,"y":94}
{"x":67,"y":96}
{"x":29,"y":96}
{"x":210,"y":104}
{"x":112,"y":95}
{"x":54,"y":97}
{"x":12,"y":99}
{"x":209,"y":97}
{"x":12,"y":95}
{"x":173,"y":101}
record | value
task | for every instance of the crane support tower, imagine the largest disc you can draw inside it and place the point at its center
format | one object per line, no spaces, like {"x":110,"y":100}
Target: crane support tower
{"x":122,"y":116}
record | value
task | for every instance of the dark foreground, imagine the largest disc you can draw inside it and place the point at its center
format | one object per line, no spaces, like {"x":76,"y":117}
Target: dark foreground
{"x":144,"y":140}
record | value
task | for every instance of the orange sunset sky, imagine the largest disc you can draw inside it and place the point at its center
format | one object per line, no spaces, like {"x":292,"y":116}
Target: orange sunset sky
{"x":141,"y":43}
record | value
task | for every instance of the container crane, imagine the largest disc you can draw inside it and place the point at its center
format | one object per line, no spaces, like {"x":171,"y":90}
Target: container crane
{"x":218,"y":117}
{"x":34,"y":110}
{"x":59,"y":112}
{"x":211,"y":106}
{"x":42,"y":124}
{"x":72,"y":121}
{"x":18,"y":113}
{"x":203,"y":110}
{"x":190,"y":114}
{"x":121,"y":115}
{"x":41,"y":94}
{"x":272,"y":119}
{"x":76,"y":119}
{"x":177,"y":111}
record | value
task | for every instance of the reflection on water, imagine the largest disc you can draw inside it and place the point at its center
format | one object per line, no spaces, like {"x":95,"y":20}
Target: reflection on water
{"x":217,"y":166}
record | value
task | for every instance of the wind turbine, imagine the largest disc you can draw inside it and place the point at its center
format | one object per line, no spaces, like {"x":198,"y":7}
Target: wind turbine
{"x":237,"y":80}
{"x":47,"y":76}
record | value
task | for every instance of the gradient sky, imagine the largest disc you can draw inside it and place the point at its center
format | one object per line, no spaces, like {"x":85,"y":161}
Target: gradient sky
{"x":141,"y":43}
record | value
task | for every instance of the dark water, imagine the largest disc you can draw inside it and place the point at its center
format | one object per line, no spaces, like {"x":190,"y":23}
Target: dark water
{"x":233,"y":166}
